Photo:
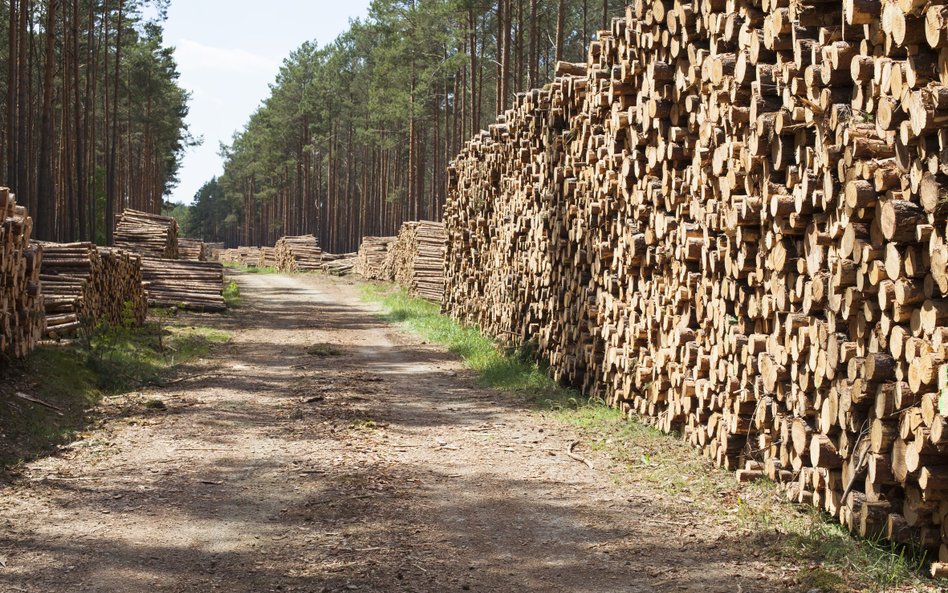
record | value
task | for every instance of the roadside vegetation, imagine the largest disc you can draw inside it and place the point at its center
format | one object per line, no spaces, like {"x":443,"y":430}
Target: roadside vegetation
{"x":50,"y":398}
{"x":818,"y":555}
{"x":232,"y":294}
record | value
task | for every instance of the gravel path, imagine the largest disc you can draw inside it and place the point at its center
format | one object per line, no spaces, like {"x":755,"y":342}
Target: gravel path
{"x":384,"y":467}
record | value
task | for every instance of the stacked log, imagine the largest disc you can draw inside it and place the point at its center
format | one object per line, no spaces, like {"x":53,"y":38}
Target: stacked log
{"x":192,"y":249}
{"x":150,"y":235}
{"x":190,"y":285}
{"x":371,"y":258}
{"x":213,"y":250}
{"x":249,"y":257}
{"x":416,"y":259}
{"x":298,"y":254}
{"x":267,"y":258}
{"x":123,"y":283}
{"x":339,"y":264}
{"x":21,"y":302}
{"x":84,"y":286}
{"x":730,"y":220}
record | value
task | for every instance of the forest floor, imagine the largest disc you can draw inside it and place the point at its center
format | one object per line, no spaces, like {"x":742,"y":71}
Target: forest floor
{"x":324,"y":449}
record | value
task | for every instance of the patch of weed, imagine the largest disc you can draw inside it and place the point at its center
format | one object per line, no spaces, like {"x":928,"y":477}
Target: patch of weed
{"x":232,"y":294}
{"x":363,"y":424}
{"x":125,"y":358}
{"x":324,"y":350}
{"x":509,"y":369}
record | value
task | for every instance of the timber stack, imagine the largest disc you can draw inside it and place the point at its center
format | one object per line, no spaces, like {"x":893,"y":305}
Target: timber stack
{"x":416,"y":259}
{"x":192,"y":249}
{"x":150,"y":235}
{"x":298,"y":254}
{"x":339,"y":264}
{"x":267,"y":258}
{"x":731,"y":221}
{"x":214,"y":250}
{"x":249,"y":257}
{"x":371,"y":258}
{"x":21,"y":301}
{"x":85,"y":285}
{"x":190,"y":285}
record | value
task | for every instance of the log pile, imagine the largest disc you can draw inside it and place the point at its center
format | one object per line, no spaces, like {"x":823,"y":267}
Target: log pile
{"x":731,"y":220}
{"x":339,"y":264}
{"x":371,"y":259}
{"x":214,"y":250}
{"x":192,"y":249}
{"x":267,"y":258}
{"x":248,"y":257}
{"x":298,"y":254}
{"x":150,"y":235}
{"x":84,"y":286}
{"x":21,"y":301}
{"x":190,"y":285}
{"x":416,"y":259}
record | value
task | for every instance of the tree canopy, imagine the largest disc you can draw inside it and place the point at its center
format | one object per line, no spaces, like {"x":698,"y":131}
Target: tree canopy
{"x":356,"y":134}
{"x":94,"y":117}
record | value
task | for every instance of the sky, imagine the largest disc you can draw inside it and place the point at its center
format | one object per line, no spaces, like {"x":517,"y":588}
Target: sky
{"x":228,"y":52}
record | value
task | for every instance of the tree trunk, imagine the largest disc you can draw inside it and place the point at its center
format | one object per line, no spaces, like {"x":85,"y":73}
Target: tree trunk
{"x":46,"y":191}
{"x":560,"y":18}
{"x":111,"y":177}
{"x":534,"y":68}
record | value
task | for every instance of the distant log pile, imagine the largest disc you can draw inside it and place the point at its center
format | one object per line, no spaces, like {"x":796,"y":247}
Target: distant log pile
{"x":195,"y":286}
{"x":192,"y":249}
{"x":298,"y":254}
{"x":213,"y":251}
{"x":267,"y":258}
{"x":149,"y":235}
{"x":733,"y":224}
{"x":84,"y":285}
{"x":371,"y":258}
{"x":416,"y":259}
{"x":250,"y":257}
{"x":339,"y":264}
{"x":21,"y":302}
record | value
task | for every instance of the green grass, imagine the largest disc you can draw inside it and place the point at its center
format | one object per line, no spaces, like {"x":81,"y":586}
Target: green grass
{"x":74,"y":378}
{"x":127,"y":358}
{"x":822,"y":554}
{"x":506,"y":369}
{"x":232,"y":294}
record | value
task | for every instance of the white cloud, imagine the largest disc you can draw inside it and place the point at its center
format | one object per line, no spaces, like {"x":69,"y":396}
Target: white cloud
{"x":192,"y":55}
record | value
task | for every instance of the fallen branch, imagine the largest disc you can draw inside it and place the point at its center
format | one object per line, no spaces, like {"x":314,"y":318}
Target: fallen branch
{"x":40,"y":402}
{"x":575,"y":457}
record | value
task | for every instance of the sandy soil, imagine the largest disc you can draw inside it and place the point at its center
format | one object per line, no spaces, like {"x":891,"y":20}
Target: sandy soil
{"x":384,"y":468}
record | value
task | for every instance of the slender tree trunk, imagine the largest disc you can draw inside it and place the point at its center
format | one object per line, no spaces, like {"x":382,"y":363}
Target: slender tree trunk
{"x":534,"y":69}
{"x":46,"y":191}
{"x":560,"y":21}
{"x":499,"y":86}
{"x":112,"y":193}
{"x":505,"y":59}
{"x":585,"y":24}
{"x":472,"y":33}
{"x":23,"y":157}
{"x":13,"y":83}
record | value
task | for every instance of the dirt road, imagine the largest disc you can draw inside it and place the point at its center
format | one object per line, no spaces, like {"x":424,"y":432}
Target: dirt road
{"x":282,"y":467}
